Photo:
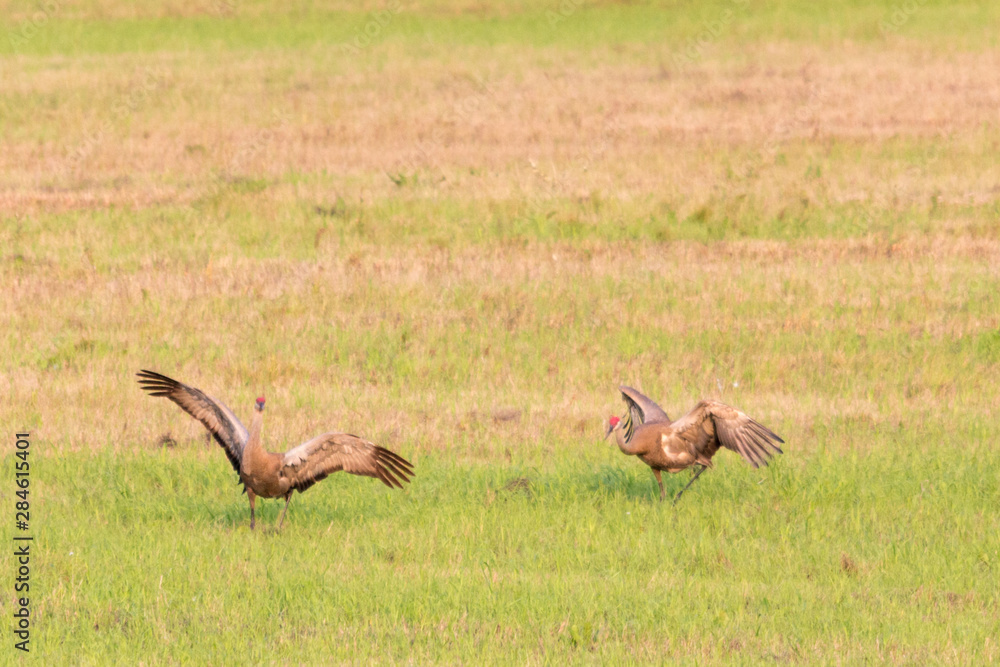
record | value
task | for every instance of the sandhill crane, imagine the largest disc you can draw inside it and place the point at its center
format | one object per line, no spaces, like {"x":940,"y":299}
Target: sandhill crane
{"x":270,"y":475}
{"x":647,"y":432}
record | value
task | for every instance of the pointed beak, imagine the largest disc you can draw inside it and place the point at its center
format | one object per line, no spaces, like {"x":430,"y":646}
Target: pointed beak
{"x":608,"y":432}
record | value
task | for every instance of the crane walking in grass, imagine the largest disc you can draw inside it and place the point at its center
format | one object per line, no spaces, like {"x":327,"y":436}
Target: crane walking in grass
{"x":647,"y":432}
{"x":270,"y":475}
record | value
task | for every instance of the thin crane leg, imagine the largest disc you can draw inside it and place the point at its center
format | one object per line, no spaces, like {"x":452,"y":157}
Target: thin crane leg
{"x":252,"y":496}
{"x":659,"y":480}
{"x":700,"y":470}
{"x":288,"y":499}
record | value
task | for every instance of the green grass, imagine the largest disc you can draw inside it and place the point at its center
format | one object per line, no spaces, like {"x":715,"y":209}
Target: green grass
{"x":256,"y":26}
{"x":893,"y":554}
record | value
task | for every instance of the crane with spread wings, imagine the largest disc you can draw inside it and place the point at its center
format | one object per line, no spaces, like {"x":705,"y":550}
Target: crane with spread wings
{"x":272,"y":475}
{"x":646,"y":431}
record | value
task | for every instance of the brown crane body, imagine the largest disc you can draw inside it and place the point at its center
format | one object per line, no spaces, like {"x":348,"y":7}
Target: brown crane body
{"x":647,"y":432}
{"x":269,"y":474}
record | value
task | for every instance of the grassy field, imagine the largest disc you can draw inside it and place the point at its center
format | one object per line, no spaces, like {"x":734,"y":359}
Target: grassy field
{"x":455,"y":229}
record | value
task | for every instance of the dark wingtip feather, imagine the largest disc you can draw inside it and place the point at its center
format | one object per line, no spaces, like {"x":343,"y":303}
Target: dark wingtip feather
{"x":747,"y":447}
{"x":380,"y":473}
{"x":765,"y":431}
{"x":151,"y":376}
{"x":156,"y":384}
{"x":397,"y":468}
{"x":394,"y":457}
{"x":767,"y":436}
{"x":387,"y":475}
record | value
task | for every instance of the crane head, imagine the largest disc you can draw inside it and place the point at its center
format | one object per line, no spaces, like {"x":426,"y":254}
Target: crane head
{"x":612,"y":423}
{"x":259,"y":405}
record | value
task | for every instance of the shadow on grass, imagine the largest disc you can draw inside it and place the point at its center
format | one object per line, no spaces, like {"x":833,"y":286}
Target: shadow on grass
{"x":640,"y":484}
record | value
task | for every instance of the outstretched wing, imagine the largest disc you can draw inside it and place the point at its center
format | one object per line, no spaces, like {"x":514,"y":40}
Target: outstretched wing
{"x":641,"y":410}
{"x":227,"y":430}
{"x":712,"y":424}
{"x":312,"y":461}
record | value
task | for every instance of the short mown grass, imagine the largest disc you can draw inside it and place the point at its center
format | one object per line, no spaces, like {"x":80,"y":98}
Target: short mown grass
{"x":889,"y":555}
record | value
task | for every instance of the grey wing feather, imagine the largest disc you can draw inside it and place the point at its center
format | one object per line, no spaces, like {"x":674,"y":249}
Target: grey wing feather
{"x":220,"y":421}
{"x":314,"y":460}
{"x":735,"y":430}
{"x":641,"y":410}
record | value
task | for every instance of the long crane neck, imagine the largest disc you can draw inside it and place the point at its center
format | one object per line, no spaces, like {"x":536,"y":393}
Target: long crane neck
{"x":628,"y":448}
{"x":253,"y":445}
